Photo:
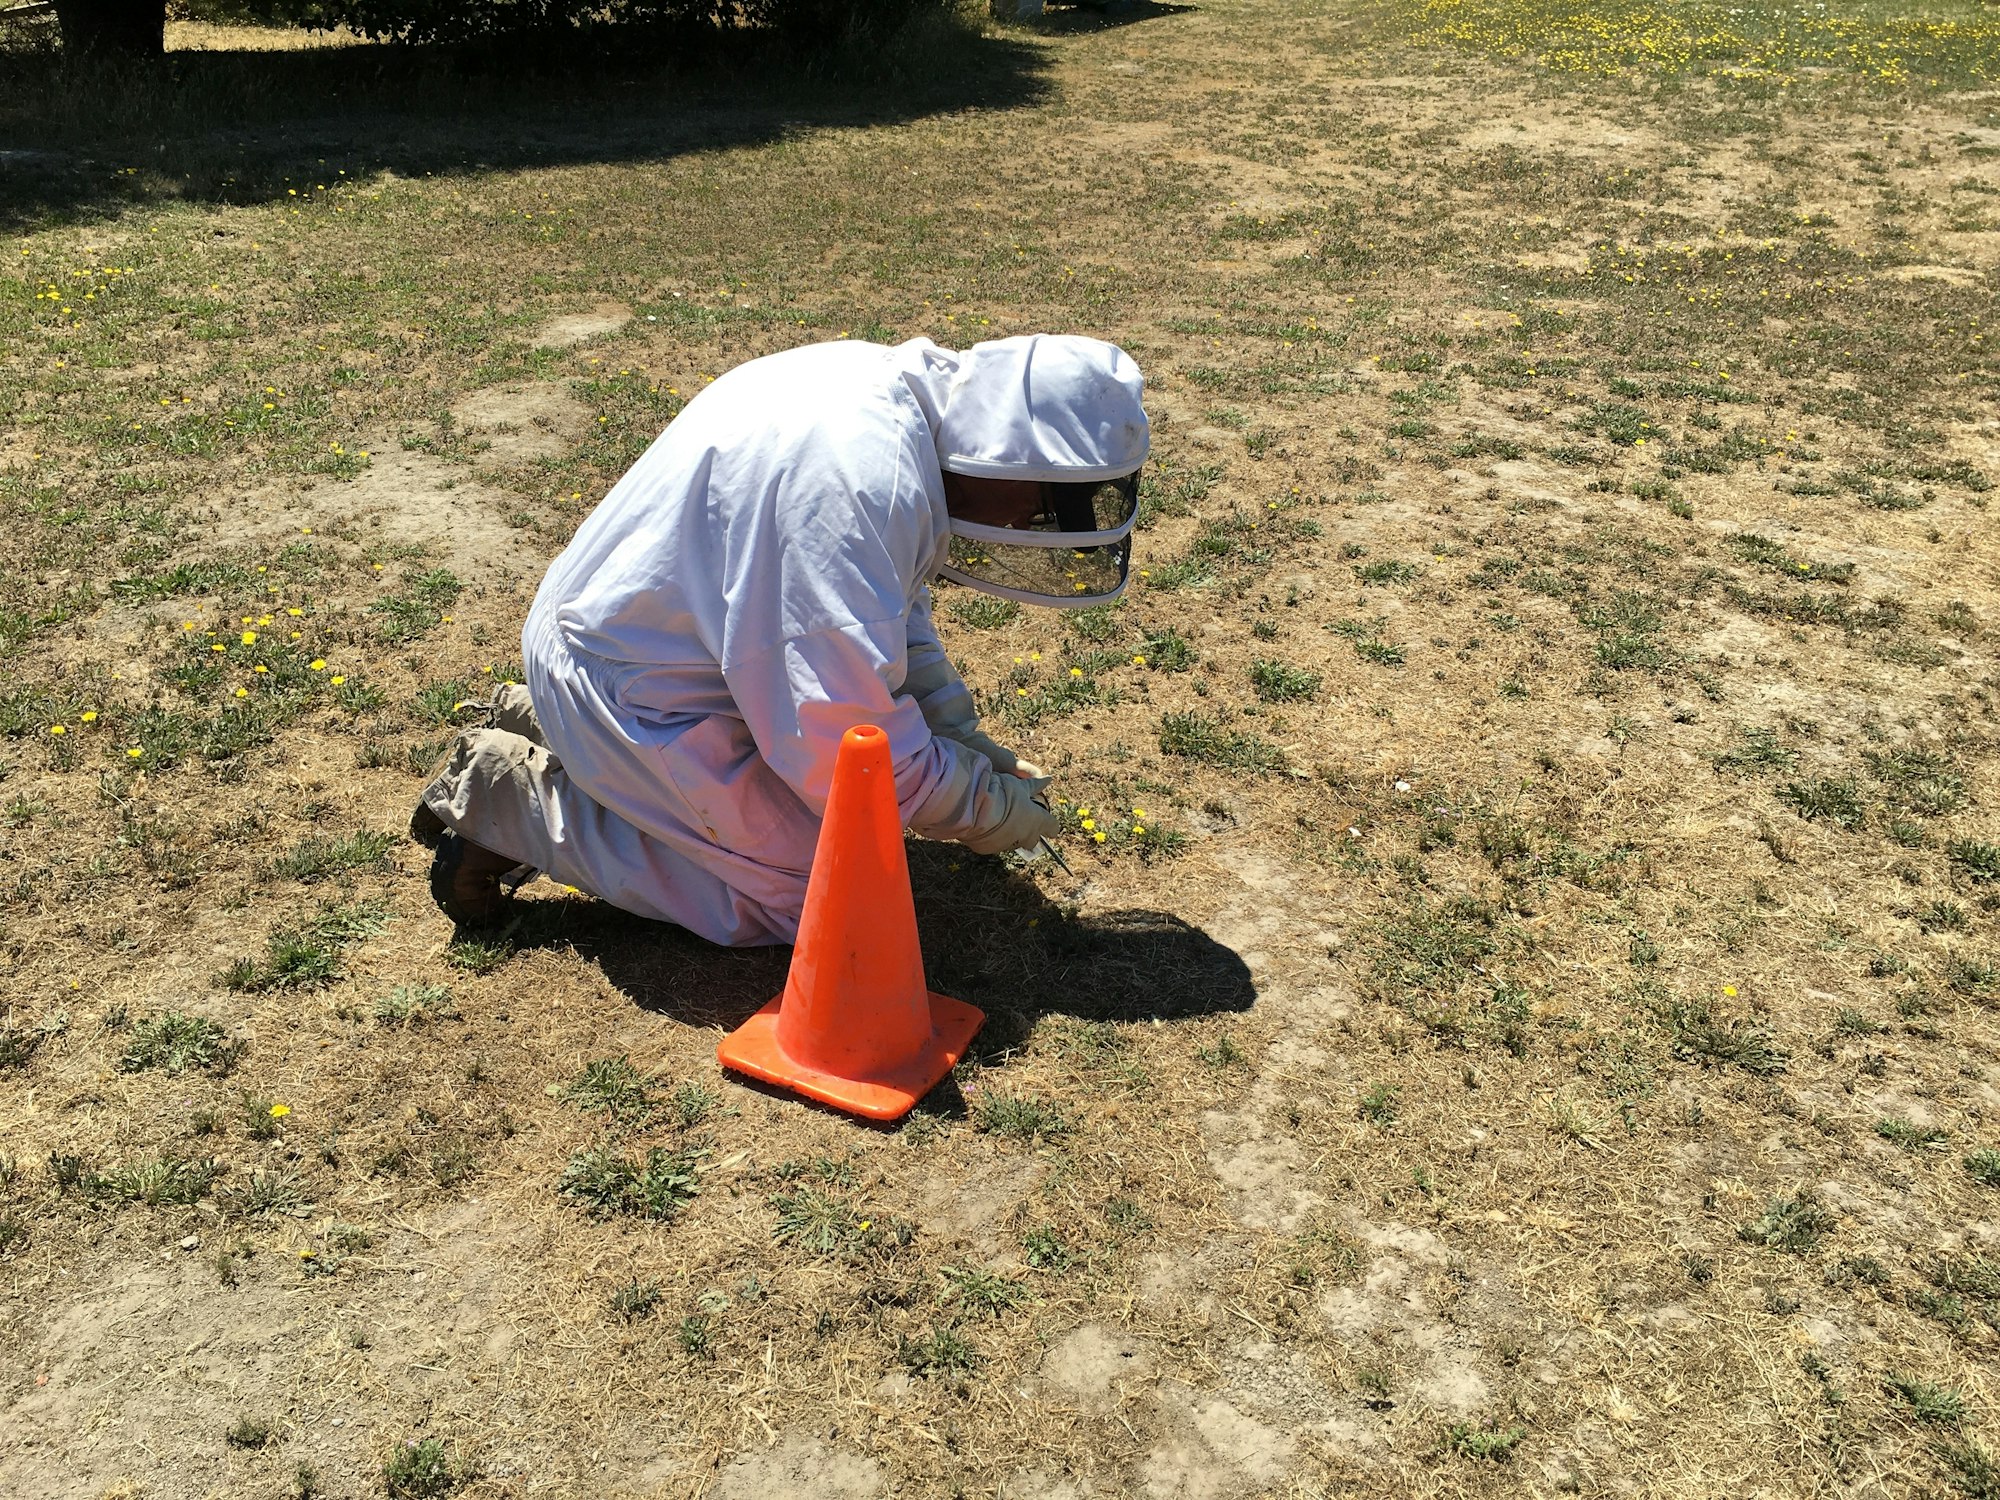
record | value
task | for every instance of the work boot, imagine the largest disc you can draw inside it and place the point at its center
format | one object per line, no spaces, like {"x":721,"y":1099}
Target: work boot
{"x":466,"y":880}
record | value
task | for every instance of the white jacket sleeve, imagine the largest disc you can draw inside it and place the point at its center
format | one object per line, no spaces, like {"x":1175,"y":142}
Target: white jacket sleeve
{"x":941,"y":693}
{"x":801,"y":696}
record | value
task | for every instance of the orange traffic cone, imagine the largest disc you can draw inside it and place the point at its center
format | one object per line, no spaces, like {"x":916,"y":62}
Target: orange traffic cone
{"x":855,"y":1027}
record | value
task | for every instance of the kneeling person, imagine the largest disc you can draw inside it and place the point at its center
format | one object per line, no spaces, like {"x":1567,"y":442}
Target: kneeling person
{"x":756,"y":586}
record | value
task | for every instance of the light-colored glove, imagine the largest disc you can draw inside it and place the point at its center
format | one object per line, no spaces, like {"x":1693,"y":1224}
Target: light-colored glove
{"x":1004,"y":760}
{"x":1011,"y":816}
{"x":984,"y":809}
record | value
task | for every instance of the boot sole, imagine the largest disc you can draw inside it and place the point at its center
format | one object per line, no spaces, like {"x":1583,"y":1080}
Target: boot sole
{"x":444,"y":874}
{"x":426,"y":827}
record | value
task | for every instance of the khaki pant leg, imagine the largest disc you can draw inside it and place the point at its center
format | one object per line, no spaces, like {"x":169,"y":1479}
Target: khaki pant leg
{"x":508,"y":794}
{"x":511,"y":709}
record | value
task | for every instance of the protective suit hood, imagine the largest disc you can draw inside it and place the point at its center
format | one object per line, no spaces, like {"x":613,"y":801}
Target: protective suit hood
{"x":1046,"y":406}
{"x":1056,"y":409}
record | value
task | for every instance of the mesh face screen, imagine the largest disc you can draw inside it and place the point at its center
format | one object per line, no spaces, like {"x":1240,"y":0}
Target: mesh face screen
{"x":1103,"y":506}
{"x":1058,"y":575}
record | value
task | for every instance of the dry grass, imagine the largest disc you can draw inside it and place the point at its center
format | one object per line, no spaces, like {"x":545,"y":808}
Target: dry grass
{"x":1525,"y":1028}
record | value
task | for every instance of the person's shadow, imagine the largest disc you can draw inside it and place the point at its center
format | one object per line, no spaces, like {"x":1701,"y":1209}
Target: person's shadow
{"x":990,"y":937}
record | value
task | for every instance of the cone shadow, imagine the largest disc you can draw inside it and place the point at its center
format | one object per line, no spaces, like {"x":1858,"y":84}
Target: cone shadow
{"x":990,"y":938}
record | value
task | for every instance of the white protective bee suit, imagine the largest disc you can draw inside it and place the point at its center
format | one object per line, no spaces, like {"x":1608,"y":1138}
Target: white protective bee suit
{"x":754,"y":587}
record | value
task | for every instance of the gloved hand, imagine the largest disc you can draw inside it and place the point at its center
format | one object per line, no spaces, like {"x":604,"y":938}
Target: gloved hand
{"x":1010,"y":815}
{"x":1004,"y":760}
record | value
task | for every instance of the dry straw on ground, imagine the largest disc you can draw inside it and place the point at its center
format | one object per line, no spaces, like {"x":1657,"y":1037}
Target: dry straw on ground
{"x":1525,"y":1028}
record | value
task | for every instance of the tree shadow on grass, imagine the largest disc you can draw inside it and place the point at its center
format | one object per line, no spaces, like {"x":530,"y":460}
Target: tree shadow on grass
{"x":990,"y":937}
{"x":84,"y":144}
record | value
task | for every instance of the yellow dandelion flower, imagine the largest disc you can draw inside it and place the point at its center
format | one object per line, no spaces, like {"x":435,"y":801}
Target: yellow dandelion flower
{"x":134,"y":753}
{"x":1138,"y":828}
{"x":260,"y":668}
{"x":90,"y":716}
{"x":318,"y":664}
{"x":1089,"y":823}
{"x":58,"y":729}
{"x":1097,"y":838}
{"x":1138,"y":661}
{"x":249,"y":637}
{"x":1729,"y":990}
{"x":1076,"y":671}
{"x":279,"y":1111}
{"x":1138,"y":812}
{"x":294,"y":613}
{"x":338,"y":681}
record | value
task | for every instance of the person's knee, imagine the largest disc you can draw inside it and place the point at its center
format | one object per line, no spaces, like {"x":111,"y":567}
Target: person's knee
{"x":513,"y":710}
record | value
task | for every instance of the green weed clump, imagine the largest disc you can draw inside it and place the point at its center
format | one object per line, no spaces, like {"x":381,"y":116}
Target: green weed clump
{"x":1697,"y":1034}
{"x":1973,"y":1471}
{"x":1280,"y":682}
{"x":1925,"y":1401}
{"x":635,"y":1299}
{"x":249,"y":1432}
{"x":421,"y":1469}
{"x":417,"y":607}
{"x":1202,"y":737}
{"x":1928,"y":783}
{"x":1168,"y":651}
{"x":1020,"y":1117}
{"x":982,"y":1291}
{"x":415,"y":1004}
{"x":1496,"y":1444}
{"x":654,"y":1186}
{"x":944,"y":1351}
{"x":267,"y":1193}
{"x":815,"y":1220}
{"x":613,"y":1085}
{"x":1792,"y":1225}
{"x":177,"y":1042}
{"x":1760,"y":750}
{"x":1366,"y":636}
{"x":1379,"y":1105}
{"x":1100,"y":625}
{"x":983,"y":611}
{"x":1384,"y":573}
{"x":1831,"y":799}
{"x":1900,"y":1132}
{"x":478,"y":955}
{"x":155,"y":1181}
{"x":1977,"y":861}
{"x":315,"y":859}
{"x":306,"y":955}
{"x":1983,"y":1166}
{"x":1429,"y":951}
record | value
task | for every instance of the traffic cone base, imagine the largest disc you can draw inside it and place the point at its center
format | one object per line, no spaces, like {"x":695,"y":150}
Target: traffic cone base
{"x":753,"y":1049}
{"x":856,"y":1027}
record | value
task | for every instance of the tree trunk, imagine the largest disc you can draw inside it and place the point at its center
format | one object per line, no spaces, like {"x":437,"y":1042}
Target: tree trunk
{"x":113,"y":28}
